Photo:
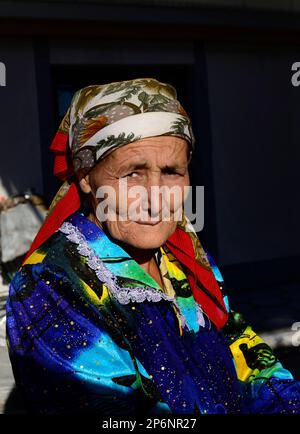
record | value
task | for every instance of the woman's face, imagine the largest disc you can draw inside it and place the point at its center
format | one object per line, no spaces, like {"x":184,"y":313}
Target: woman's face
{"x":141,"y":166}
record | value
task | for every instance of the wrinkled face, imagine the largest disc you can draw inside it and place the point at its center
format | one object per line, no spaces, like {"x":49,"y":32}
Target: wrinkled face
{"x":145,"y":182}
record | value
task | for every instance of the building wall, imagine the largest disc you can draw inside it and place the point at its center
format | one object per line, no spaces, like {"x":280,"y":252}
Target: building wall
{"x":283,"y":5}
{"x":254,"y":112}
{"x":20,"y":160}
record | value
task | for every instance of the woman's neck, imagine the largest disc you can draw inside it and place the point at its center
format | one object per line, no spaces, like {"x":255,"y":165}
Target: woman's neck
{"x":143,"y":257}
{"x":146,"y":259}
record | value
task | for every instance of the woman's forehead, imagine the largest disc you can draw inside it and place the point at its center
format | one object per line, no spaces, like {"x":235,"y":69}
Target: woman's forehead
{"x":154,"y":148}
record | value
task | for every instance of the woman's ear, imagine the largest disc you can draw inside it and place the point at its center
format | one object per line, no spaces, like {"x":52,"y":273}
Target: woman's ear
{"x":84,"y":184}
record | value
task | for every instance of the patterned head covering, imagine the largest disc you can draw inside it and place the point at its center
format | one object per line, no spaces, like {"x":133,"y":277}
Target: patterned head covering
{"x":103,"y":118}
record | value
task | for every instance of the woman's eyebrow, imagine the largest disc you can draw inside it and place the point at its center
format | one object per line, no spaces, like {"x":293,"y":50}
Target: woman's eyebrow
{"x":145,"y":165}
{"x":135,"y":166}
{"x":172,"y":167}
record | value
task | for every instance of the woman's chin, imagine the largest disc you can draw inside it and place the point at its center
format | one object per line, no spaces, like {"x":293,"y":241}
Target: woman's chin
{"x":141,"y":235}
{"x":146,"y":236}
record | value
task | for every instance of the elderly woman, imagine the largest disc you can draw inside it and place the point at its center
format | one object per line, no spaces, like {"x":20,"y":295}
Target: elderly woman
{"x":118,"y":316}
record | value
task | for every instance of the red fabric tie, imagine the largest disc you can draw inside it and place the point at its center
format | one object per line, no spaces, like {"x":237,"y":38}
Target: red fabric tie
{"x":69,"y":203}
{"x":203,"y":283}
{"x":62,"y":164}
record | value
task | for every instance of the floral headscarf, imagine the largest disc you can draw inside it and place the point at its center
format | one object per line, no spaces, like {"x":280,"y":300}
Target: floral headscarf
{"x":103,"y":118}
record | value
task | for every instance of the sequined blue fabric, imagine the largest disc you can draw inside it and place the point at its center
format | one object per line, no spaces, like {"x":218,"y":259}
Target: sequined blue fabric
{"x":75,"y":348}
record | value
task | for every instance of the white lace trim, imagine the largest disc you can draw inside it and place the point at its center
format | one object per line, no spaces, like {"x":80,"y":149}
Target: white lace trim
{"x":200,"y":316}
{"x":123,"y":295}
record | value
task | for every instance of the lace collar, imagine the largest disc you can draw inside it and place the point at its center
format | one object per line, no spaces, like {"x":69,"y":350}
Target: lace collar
{"x":110,"y":262}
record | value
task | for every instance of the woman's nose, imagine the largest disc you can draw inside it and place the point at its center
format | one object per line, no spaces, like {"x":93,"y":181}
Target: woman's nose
{"x":154,"y":196}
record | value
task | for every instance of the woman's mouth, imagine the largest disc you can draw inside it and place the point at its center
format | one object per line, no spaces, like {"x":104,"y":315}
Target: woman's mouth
{"x":149,"y":223}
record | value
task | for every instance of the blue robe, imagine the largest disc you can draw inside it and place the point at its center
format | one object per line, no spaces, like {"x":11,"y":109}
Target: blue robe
{"x":75,"y":348}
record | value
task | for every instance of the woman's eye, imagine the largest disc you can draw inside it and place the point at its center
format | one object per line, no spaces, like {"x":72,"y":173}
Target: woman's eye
{"x":131,"y":175}
{"x":173,"y":173}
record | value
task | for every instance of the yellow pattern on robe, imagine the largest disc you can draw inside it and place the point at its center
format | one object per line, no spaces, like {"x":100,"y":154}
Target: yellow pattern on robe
{"x":251,"y":339}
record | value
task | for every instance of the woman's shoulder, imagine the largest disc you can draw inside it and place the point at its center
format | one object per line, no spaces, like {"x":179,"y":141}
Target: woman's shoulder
{"x":53,"y":247}
{"x":47,"y":260}
{"x":58,"y":249}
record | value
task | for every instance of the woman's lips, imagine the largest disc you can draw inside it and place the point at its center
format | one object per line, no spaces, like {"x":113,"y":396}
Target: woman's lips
{"x":148,"y":223}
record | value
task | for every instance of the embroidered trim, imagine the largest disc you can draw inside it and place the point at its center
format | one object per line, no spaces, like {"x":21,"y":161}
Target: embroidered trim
{"x":123,"y":295}
{"x":200,"y":316}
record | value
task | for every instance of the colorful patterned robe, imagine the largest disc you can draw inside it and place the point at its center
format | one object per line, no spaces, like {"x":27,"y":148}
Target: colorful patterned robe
{"x":75,"y":348}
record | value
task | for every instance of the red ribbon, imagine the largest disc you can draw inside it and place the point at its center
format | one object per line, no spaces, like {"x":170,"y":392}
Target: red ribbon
{"x":69,"y":203}
{"x":62,"y":164}
{"x":203,"y":283}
